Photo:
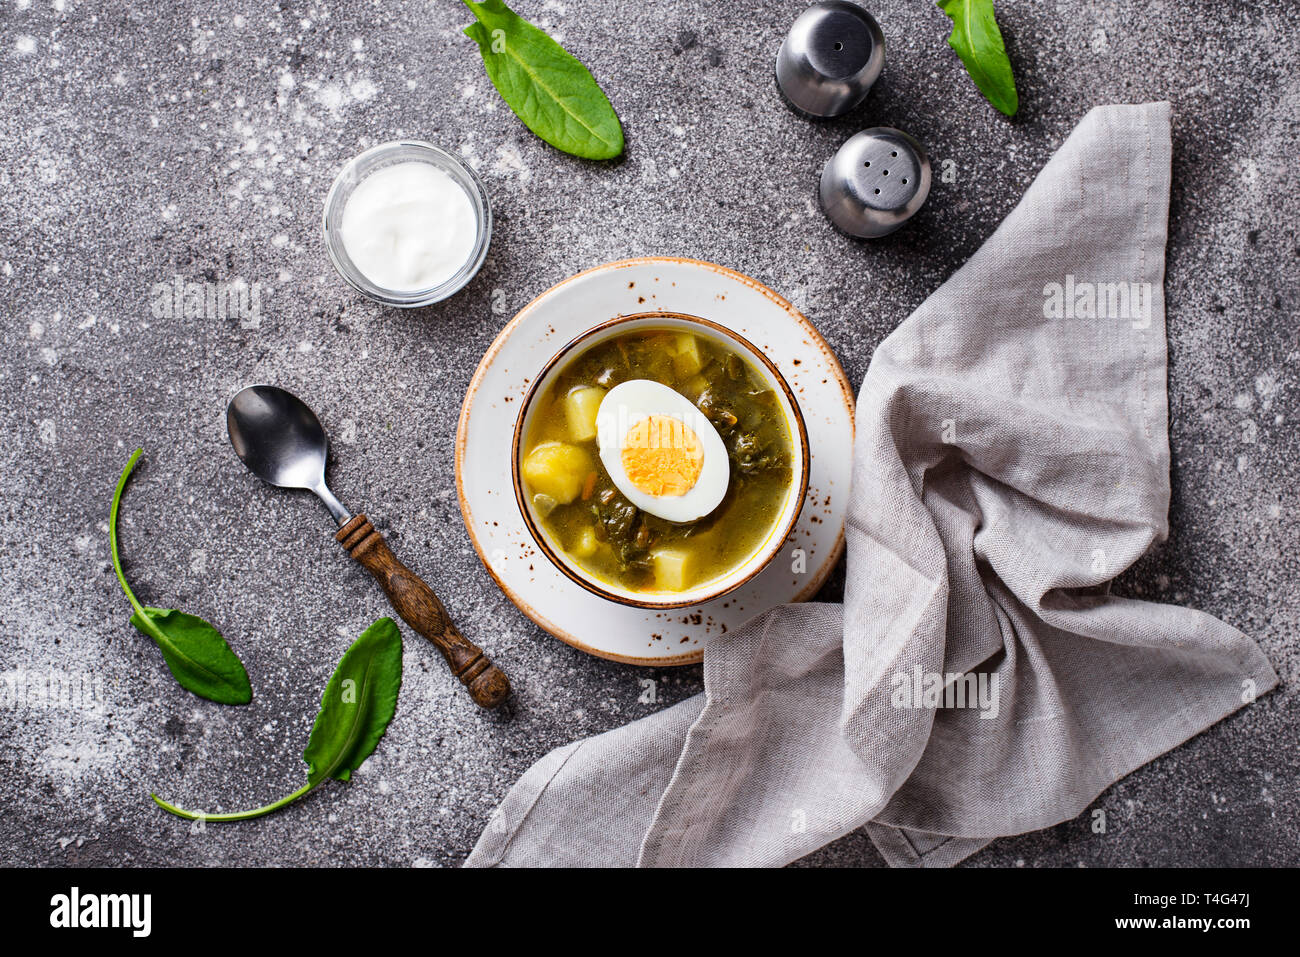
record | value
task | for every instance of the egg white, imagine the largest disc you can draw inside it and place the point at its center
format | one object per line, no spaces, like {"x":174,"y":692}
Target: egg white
{"x":627,"y":404}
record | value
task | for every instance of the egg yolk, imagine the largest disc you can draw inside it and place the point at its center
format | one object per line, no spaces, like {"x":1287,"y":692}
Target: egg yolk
{"x":662,"y":456}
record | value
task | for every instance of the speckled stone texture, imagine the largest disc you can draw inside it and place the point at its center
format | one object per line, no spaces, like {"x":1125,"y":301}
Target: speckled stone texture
{"x":144,"y":142}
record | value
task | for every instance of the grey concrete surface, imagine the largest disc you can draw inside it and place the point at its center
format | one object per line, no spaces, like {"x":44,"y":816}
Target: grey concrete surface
{"x":143,"y":142}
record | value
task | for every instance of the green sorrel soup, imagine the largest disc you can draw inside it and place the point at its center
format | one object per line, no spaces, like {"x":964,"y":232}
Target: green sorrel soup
{"x":658,"y":460}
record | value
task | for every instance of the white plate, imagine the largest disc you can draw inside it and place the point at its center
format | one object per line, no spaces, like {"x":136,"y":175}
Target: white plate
{"x":531,"y":338}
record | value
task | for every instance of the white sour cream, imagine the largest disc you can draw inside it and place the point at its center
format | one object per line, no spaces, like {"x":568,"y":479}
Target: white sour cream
{"x":408,"y":227}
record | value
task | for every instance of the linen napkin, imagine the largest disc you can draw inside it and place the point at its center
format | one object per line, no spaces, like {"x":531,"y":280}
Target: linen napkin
{"x":980,"y":680}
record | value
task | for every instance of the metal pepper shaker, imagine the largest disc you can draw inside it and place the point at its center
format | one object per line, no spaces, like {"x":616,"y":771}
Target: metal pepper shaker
{"x":876,"y":182}
{"x":832,"y":55}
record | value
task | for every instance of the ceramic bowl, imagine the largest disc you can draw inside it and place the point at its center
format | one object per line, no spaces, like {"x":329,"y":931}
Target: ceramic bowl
{"x":790,"y":508}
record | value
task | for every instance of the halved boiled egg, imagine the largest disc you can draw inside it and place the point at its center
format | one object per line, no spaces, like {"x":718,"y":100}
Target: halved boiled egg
{"x":661,"y":452}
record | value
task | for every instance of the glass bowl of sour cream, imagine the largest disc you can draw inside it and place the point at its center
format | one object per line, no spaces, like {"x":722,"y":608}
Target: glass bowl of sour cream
{"x":407,"y":224}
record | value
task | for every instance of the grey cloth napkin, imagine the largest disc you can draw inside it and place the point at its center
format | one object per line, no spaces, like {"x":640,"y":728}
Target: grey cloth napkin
{"x":1012,"y":457}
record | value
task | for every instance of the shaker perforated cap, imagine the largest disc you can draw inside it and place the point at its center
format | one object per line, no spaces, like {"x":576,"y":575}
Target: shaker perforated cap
{"x":877,"y":180}
{"x":829,"y":59}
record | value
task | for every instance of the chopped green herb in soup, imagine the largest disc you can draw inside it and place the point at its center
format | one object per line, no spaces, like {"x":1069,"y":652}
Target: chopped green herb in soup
{"x":658,"y":460}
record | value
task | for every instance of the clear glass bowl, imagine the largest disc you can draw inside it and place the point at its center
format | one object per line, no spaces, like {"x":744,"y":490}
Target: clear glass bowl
{"x":387,"y":154}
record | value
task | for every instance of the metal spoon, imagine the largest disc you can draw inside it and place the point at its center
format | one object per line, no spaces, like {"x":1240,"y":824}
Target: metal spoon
{"x":282,"y":442}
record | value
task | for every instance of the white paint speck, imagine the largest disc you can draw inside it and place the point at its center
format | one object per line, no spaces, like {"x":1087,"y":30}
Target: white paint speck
{"x":87,"y":750}
{"x":510,"y":162}
{"x":363,"y":90}
{"x":1249,"y":172}
{"x":1267,"y":386}
{"x":331,"y":96}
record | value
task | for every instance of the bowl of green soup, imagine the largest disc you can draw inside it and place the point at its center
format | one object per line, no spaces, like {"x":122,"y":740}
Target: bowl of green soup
{"x":660,"y":460}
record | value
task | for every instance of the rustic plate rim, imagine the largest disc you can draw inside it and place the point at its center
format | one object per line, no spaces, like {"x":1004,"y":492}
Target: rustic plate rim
{"x":696,"y":655}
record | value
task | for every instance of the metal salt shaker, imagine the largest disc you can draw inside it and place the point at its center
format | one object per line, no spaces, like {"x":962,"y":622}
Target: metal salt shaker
{"x":876,"y":181}
{"x":832,"y":55}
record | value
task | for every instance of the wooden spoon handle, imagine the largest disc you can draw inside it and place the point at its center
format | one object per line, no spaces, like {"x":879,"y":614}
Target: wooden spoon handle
{"x":420,"y":608}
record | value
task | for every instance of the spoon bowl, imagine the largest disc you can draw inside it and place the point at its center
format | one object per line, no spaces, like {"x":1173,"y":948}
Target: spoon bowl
{"x":279,"y":438}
